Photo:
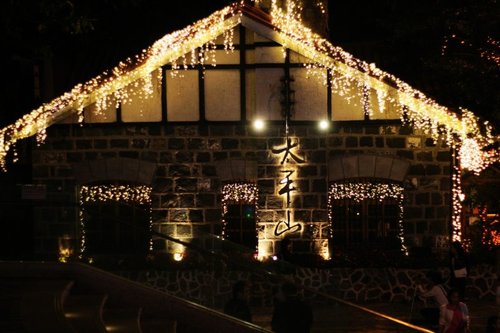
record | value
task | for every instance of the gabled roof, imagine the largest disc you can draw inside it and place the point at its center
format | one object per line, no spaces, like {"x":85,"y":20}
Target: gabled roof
{"x":279,"y":26}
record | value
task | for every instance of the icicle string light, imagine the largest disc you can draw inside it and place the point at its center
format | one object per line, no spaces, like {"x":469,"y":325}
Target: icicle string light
{"x":120,"y":193}
{"x":363,"y":191}
{"x":114,"y":82}
{"x":456,"y":195}
{"x":415,"y":107}
{"x":289,"y":30}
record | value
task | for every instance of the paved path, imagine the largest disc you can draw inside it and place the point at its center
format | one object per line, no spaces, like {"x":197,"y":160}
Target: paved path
{"x":340,"y":318}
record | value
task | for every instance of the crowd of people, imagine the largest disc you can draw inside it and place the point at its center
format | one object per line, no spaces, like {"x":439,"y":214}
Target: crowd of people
{"x":448,"y":314}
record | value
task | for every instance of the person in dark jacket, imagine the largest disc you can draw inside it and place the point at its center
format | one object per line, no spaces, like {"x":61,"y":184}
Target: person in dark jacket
{"x":291,"y":315}
{"x":238,"y":306}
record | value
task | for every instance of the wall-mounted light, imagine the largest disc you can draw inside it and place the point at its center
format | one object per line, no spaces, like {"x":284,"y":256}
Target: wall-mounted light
{"x":323,"y":125}
{"x":178,"y":256}
{"x":258,"y":124}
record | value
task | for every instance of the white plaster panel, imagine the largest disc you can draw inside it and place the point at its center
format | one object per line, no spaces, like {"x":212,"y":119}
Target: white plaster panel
{"x":107,"y":115}
{"x":347,"y":103}
{"x":267,"y":93}
{"x":140,"y":107}
{"x":299,"y":58}
{"x":235,"y":40}
{"x":269,"y":54}
{"x":390,"y":105}
{"x":250,"y":94}
{"x":223,"y":57}
{"x":222,"y":95}
{"x":310,"y":95}
{"x":182,"y":96}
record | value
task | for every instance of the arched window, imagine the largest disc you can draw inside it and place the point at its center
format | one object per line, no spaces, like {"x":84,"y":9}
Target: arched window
{"x":365,"y":201}
{"x":115,"y":206}
{"x":115,"y":219}
{"x":367,"y":213}
{"x":239,"y":213}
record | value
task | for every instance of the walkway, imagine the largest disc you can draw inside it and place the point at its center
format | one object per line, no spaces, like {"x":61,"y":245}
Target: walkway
{"x":340,"y":318}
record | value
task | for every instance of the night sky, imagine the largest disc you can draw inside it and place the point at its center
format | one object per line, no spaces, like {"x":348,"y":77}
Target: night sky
{"x":402,"y":37}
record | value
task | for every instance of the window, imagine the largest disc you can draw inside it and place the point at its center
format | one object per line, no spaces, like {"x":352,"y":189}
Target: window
{"x":115,"y":228}
{"x":239,"y":213}
{"x":115,"y":219}
{"x":368,"y":212}
{"x":241,"y":224}
{"x":369,"y":221}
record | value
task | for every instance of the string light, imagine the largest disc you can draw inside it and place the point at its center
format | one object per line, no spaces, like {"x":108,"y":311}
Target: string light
{"x":133,"y":72}
{"x":119,"y":193}
{"x":414,"y":107}
{"x":456,"y":194}
{"x":471,"y":156}
{"x":238,"y":193}
{"x":346,"y":70}
{"x":369,"y":191}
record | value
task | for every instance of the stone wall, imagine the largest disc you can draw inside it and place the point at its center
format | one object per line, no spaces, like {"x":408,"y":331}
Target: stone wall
{"x":186,"y":190}
{"x":360,"y":285}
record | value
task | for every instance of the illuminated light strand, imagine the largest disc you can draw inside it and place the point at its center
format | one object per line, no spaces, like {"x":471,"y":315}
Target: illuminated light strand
{"x":119,"y":193}
{"x":471,"y":156}
{"x":456,"y":199}
{"x":114,"y":82}
{"x":373,"y":191}
{"x":417,"y":108}
{"x":240,"y":192}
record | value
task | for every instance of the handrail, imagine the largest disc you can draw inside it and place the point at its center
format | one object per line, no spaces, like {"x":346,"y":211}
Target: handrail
{"x":258,"y":268}
{"x":310,"y":290}
{"x":125,"y":291}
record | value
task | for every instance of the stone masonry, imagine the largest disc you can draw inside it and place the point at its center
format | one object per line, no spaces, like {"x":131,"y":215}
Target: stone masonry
{"x":187,"y":191}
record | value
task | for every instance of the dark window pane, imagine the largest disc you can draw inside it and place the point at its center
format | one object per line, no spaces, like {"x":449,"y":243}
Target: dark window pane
{"x":115,"y":228}
{"x":241,"y":224}
{"x":368,"y":223}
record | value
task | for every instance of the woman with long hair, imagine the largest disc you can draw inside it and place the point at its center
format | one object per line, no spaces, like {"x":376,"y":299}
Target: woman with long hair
{"x":454,"y":316}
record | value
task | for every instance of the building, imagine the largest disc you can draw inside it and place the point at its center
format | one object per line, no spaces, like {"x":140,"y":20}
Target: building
{"x":344,"y":156}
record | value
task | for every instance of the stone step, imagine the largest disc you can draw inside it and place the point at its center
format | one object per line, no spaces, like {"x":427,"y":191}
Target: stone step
{"x":37,"y":304}
{"x":158,"y":326}
{"x":85,"y":312}
{"x":123,"y":320}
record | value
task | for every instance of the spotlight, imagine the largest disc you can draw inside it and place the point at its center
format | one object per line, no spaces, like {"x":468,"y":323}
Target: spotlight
{"x":258,"y":124}
{"x":323,"y":125}
{"x":178,"y":256}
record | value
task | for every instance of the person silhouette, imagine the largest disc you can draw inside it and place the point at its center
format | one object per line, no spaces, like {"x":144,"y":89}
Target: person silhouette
{"x":436,"y":292}
{"x":459,"y":268}
{"x":238,"y":306}
{"x":291,"y":314}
